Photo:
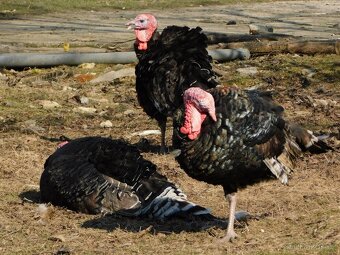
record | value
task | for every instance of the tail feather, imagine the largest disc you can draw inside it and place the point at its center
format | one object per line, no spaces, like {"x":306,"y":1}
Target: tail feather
{"x":278,"y":169}
{"x":170,"y":202}
{"x":317,"y":144}
{"x":307,"y":141}
{"x":282,"y":165}
{"x":298,"y":140}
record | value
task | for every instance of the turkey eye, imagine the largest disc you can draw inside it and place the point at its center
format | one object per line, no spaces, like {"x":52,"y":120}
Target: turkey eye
{"x":142,"y":21}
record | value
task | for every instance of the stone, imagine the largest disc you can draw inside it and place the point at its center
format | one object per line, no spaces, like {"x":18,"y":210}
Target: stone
{"x":112,"y":75}
{"x":106,"y":124}
{"x":47,"y":104}
{"x":87,"y":65}
{"x":260,"y":29}
{"x":247,"y":71}
{"x":86,"y":110}
{"x":128,"y":112}
{"x":231,"y":22}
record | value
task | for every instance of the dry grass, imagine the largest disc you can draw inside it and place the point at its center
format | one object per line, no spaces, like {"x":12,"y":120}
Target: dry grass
{"x":302,"y":218}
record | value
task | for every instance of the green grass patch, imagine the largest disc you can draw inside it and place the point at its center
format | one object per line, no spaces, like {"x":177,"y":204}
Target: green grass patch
{"x":44,"y":6}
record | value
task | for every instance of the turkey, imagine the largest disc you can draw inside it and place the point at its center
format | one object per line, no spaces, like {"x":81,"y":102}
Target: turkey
{"x":234,"y":138}
{"x":100,"y":175}
{"x":168,"y":63}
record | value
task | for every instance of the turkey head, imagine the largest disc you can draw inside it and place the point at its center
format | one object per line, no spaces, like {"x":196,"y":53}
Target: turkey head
{"x":144,"y":25}
{"x":198,"y":104}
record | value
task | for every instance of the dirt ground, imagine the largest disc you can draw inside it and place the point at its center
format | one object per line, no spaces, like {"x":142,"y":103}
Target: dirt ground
{"x":302,"y":218}
{"x":98,"y":30}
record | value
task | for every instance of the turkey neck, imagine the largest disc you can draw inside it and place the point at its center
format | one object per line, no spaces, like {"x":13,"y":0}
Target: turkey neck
{"x":152,"y":41}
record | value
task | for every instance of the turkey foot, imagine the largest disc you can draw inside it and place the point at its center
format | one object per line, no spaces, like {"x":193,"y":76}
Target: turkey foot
{"x":229,"y":237}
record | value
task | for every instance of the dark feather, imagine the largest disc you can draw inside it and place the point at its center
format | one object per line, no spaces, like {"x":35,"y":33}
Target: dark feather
{"x":175,"y":60}
{"x":248,"y":143}
{"x":101,"y":175}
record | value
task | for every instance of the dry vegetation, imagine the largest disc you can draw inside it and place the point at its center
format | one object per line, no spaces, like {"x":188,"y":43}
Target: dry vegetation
{"x":302,"y":218}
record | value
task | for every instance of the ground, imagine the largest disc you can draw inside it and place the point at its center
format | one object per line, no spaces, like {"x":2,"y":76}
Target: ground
{"x":302,"y":218}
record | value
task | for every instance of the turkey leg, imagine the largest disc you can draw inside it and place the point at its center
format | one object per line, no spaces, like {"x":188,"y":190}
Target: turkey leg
{"x":231,"y":235}
{"x":162,"y":125}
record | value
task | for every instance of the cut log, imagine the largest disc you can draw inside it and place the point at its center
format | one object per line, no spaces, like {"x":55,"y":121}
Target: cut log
{"x":293,"y":46}
{"x":215,"y":38}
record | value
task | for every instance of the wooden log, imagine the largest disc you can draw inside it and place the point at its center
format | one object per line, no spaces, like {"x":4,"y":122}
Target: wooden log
{"x":296,"y":46}
{"x":214,"y":38}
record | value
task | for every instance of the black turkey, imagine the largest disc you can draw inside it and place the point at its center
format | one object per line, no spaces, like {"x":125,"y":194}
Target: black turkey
{"x":168,"y":63}
{"x":100,"y":175}
{"x":236,"y":138}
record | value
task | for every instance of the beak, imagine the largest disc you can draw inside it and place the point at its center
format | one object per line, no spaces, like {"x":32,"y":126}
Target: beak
{"x":130,"y":24}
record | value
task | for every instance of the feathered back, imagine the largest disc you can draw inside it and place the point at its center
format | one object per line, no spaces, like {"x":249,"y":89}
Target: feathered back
{"x":101,"y":175}
{"x":232,"y":150}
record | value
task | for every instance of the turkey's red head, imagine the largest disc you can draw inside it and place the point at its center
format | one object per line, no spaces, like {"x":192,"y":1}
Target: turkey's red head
{"x":198,"y":104}
{"x":144,"y":25}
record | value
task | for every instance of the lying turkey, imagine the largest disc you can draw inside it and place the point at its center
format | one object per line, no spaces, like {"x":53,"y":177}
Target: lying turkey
{"x":100,"y":175}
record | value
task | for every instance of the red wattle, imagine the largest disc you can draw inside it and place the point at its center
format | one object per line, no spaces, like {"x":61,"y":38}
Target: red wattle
{"x":193,"y":135}
{"x":142,"y":45}
{"x":184,"y":130}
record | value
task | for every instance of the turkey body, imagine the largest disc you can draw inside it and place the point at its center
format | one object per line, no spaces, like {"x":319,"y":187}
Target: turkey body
{"x":249,"y":142}
{"x":175,"y":60}
{"x":231,"y":151}
{"x":100,"y":175}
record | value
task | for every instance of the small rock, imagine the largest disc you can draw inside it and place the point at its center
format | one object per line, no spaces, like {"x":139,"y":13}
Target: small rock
{"x":84,"y":77}
{"x":106,"y":124}
{"x":81,"y":99}
{"x":320,"y":90}
{"x":231,"y":22}
{"x":46,"y":104}
{"x":32,"y":126}
{"x":86,"y":110}
{"x":8,"y":104}
{"x":3,"y":77}
{"x":128,"y":112}
{"x":309,"y":72}
{"x":57,"y":238}
{"x":84,"y":100}
{"x":87,"y":65}
{"x":99,"y":100}
{"x":259,"y":29}
{"x":324,"y":102}
{"x":110,"y":76}
{"x":102,"y":113}
{"x":67,"y":88}
{"x":247,"y":71}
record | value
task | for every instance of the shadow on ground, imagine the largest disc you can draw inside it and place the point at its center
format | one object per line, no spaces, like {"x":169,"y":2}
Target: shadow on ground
{"x":173,"y":225}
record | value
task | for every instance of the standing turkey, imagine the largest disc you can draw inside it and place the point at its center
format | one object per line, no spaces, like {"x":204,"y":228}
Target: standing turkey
{"x":100,"y":175}
{"x":168,"y":63}
{"x":236,"y":138}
